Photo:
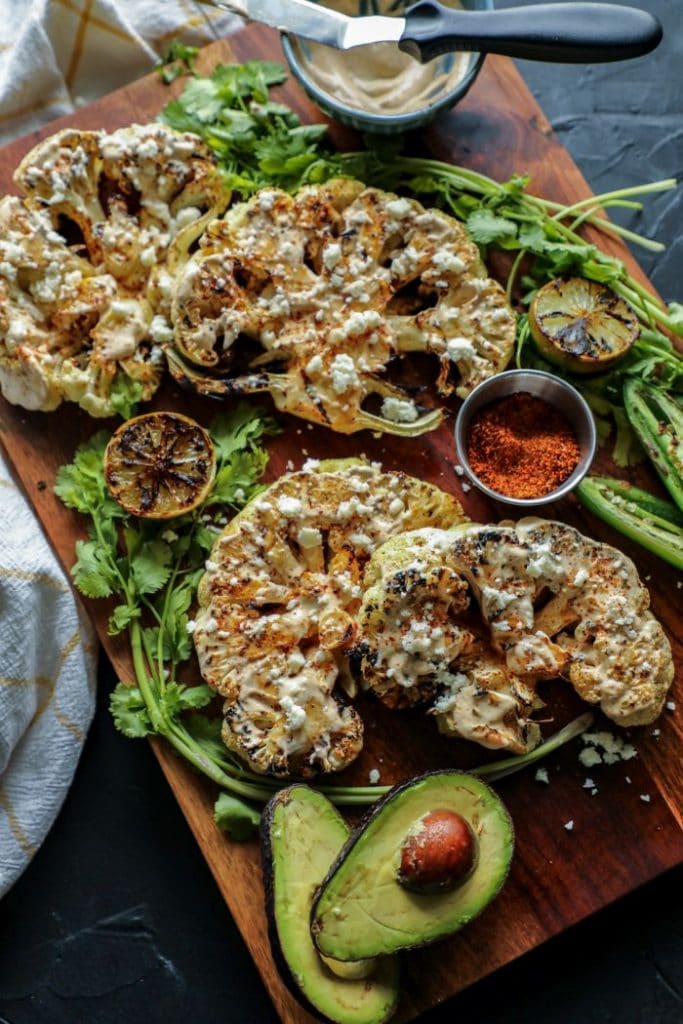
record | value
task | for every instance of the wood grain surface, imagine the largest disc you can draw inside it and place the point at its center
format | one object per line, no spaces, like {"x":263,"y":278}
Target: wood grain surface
{"x":618,"y":841}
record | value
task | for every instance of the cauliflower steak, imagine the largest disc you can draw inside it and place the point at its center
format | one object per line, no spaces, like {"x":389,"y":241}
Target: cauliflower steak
{"x":312,"y":297}
{"x":278,"y":604}
{"x":554,"y":602}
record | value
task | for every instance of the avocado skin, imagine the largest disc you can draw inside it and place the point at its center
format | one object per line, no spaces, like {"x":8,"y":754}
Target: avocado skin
{"x":267,"y":860}
{"x":266,"y":825}
{"x":378,"y":809}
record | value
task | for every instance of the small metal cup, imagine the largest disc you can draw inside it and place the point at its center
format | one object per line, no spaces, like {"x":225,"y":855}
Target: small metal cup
{"x":551,"y":389}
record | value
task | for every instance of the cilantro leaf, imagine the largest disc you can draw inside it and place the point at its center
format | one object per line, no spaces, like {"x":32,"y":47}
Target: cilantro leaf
{"x":178,"y":59}
{"x":92,"y":571}
{"x":236,"y":817}
{"x":128,"y":708}
{"x":486,"y":227}
{"x":80,"y":485}
{"x":121,"y":617}
{"x":151,"y":566}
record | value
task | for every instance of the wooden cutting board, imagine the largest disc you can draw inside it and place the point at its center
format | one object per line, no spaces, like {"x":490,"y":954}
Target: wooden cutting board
{"x":618,"y":840}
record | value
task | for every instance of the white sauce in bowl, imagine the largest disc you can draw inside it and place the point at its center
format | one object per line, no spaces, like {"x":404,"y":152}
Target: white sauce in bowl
{"x":379,"y":78}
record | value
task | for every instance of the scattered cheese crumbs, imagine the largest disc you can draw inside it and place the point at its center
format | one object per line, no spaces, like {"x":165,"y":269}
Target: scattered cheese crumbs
{"x":645,"y":797}
{"x":373,"y":775}
{"x":679,"y":584}
{"x":613,"y":747}
{"x":290,"y":465}
{"x":628,"y":779}
{"x":542,"y":775}
{"x":569,"y":825}
{"x":656,"y":732}
{"x":466,"y":487}
{"x":169,"y":536}
{"x":191,"y":626}
{"x":589,"y":757}
{"x":589,"y":784}
{"x":458,"y":469}
{"x":671,"y":705}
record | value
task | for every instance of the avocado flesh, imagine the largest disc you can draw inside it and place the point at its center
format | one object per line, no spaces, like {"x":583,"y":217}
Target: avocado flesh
{"x":363,"y":911}
{"x":303,"y":833}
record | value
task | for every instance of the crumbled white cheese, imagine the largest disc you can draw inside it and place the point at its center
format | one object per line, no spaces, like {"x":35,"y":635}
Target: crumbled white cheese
{"x":645,"y":797}
{"x":295,"y":715}
{"x":671,"y":705}
{"x":542,"y":775}
{"x":458,"y":469}
{"x":448,"y":261}
{"x":160,"y":331}
{"x":169,"y":536}
{"x":266,"y":200}
{"x":373,"y":776}
{"x":314,"y":365}
{"x":569,"y":825}
{"x":331,"y":255}
{"x":399,"y":410}
{"x":290,"y":507}
{"x":590,"y":757}
{"x":399,"y":208}
{"x":191,"y":626}
{"x":343,"y":372}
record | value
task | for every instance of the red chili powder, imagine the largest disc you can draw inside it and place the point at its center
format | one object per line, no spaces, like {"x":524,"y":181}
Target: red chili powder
{"x":521,"y":446}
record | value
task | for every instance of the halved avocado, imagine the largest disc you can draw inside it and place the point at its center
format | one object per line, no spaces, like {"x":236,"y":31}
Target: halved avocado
{"x":364,"y":909}
{"x":301,"y":835}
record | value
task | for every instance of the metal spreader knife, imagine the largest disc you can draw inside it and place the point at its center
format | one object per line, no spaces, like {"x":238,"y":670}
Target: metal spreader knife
{"x":567,"y":33}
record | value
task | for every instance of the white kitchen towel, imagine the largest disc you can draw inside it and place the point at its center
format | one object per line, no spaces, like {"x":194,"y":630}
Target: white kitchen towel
{"x":47,"y":682}
{"x":56,"y":55}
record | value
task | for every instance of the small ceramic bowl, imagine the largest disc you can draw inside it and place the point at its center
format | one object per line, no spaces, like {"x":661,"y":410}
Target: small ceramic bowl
{"x":558,"y":394}
{"x":449,"y":84}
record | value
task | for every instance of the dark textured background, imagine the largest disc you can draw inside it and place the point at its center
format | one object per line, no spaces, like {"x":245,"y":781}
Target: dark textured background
{"x":117,"y":918}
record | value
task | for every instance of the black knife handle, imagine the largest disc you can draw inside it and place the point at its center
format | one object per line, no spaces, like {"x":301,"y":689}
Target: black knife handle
{"x":566,"y":33}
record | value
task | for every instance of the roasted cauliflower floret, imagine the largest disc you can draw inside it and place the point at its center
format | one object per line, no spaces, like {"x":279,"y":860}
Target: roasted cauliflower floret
{"x":130,"y":192}
{"x":278,"y":604}
{"x":66,"y":331}
{"x":76,"y":316}
{"x":418,"y":644}
{"x":315,"y":295}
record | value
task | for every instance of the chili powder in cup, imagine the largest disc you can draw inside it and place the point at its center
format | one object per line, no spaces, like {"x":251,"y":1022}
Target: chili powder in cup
{"x":521,"y":446}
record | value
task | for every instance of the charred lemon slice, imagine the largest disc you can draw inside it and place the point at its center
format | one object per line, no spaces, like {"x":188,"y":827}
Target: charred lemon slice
{"x":581,"y":326}
{"x":159,"y":465}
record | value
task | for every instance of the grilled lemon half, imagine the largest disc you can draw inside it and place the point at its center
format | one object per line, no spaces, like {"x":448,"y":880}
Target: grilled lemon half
{"x":160,"y":465}
{"x":581,"y":326}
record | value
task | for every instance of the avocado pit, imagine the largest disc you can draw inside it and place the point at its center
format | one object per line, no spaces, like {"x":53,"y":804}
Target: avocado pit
{"x":437,"y":854}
